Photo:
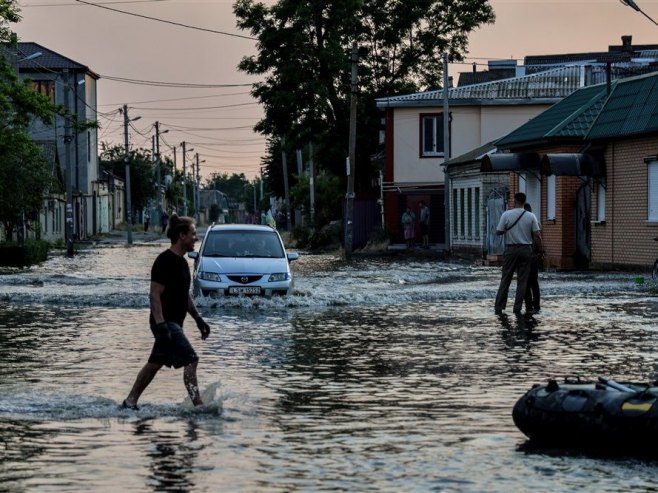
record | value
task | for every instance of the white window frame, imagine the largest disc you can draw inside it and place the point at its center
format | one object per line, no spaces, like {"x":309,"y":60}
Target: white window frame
{"x":551,"y":197}
{"x":652,"y":191}
{"x":435,"y":147}
{"x":531,"y":186}
{"x":600,"y":202}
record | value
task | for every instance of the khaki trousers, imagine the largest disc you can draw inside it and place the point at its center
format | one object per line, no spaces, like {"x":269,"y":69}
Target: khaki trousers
{"x":516,"y":259}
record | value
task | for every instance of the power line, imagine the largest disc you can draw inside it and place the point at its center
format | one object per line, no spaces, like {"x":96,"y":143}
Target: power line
{"x":99,"y":3}
{"x":198,"y":108}
{"x":181,"y":99}
{"x":170,"y":84}
{"x":199,"y":129}
{"x":166,"y":21}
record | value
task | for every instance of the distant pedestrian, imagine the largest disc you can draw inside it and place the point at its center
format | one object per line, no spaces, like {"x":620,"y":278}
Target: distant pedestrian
{"x":164,"y":220}
{"x":147,"y":220}
{"x":425,"y":223}
{"x":409,"y":226}
{"x":532,"y":296}
{"x":171,"y":301}
{"x":520,"y":228}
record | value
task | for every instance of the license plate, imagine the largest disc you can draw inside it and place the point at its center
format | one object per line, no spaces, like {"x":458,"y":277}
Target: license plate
{"x":244,"y":290}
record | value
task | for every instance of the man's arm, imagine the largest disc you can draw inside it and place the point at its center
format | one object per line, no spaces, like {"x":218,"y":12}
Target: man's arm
{"x":155,"y":302}
{"x":539,"y":241}
{"x":191,"y":307}
{"x":201,"y":324}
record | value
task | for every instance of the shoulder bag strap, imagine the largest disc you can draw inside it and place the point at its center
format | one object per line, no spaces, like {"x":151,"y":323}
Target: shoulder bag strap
{"x":517,"y":220}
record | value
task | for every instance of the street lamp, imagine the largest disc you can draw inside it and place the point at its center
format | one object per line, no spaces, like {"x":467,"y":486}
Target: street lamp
{"x":34,"y":55}
{"x":196,"y":187}
{"x":157,"y":160}
{"x":185,"y":151}
{"x":634,"y":6}
{"x":126,"y":158}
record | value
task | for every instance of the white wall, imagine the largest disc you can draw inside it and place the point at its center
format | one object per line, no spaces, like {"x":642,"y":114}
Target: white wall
{"x":471,"y":127}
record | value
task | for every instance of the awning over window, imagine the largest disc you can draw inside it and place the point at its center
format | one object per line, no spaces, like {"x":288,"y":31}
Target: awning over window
{"x":574,"y":164}
{"x":509,"y":162}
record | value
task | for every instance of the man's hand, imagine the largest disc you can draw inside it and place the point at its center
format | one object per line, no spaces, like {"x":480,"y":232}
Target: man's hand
{"x":162,"y":331}
{"x":204,"y":328}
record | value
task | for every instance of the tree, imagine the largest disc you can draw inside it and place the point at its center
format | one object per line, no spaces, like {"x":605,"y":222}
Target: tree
{"x":303,"y":60}
{"x":234,"y":186}
{"x":142,"y":177}
{"x":25,"y":175}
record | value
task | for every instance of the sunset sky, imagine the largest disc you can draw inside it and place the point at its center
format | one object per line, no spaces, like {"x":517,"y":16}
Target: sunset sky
{"x":217,"y":121}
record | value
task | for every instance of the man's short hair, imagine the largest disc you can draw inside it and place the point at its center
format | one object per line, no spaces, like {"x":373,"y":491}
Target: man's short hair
{"x":519,"y":198}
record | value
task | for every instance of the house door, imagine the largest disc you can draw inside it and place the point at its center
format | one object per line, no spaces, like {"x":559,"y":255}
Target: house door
{"x":583,"y":253}
{"x":495,"y":208}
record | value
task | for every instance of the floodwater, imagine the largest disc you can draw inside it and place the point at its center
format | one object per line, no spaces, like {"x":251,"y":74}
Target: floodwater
{"x":378,"y":375}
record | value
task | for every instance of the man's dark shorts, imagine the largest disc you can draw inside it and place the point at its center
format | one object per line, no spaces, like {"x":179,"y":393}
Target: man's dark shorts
{"x":172,"y":348}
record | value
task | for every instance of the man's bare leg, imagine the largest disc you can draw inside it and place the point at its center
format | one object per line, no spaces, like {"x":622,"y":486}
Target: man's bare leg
{"x":191,"y":384}
{"x":144,"y":378}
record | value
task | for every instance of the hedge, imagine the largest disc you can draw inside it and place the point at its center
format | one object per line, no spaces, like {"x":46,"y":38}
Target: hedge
{"x":33,"y":252}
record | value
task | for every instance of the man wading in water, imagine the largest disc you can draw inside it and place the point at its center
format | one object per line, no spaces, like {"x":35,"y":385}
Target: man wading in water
{"x":170,"y":302}
{"x":521,"y":229}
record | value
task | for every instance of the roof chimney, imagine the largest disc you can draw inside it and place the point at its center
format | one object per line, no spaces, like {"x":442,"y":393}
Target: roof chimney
{"x":627,"y":43}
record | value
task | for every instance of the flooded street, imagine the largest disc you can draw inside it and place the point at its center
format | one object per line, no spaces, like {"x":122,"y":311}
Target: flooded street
{"x":377,"y":375}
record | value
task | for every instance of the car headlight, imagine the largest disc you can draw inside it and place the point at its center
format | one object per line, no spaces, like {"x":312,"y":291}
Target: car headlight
{"x":279,"y":276}
{"x":209,"y":276}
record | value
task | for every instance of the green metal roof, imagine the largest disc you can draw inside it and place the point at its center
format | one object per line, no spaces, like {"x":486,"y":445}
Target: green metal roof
{"x":569,"y":118}
{"x":631,"y":109}
{"x":591,"y":113}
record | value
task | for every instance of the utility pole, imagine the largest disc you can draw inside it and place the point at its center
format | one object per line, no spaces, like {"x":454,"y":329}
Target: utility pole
{"x":173,"y":177}
{"x":284,"y":162}
{"x":184,"y":181}
{"x":351,"y":160}
{"x":311,"y":183}
{"x":69,"y":176}
{"x":446,"y":149}
{"x":195,"y":186}
{"x":126,"y":159}
{"x":157,"y":167}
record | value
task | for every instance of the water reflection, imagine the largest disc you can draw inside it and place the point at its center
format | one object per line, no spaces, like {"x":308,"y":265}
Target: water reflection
{"x":171,"y":452}
{"x":377,"y":375}
{"x":519,"y":331}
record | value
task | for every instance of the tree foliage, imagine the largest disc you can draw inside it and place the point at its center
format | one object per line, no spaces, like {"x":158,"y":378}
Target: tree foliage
{"x":25,"y":175}
{"x":235,"y":186}
{"x":142,"y":177}
{"x":303,"y":61}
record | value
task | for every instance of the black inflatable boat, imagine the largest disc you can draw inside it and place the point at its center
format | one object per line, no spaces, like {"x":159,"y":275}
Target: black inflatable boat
{"x":614,"y":415}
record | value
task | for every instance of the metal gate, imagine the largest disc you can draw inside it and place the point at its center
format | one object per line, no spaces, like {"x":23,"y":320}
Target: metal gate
{"x":496,"y":205}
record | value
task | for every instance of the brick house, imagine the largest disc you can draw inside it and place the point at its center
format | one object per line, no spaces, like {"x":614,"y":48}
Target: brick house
{"x":593,"y":157}
{"x":415,"y":167}
{"x":414,"y":156}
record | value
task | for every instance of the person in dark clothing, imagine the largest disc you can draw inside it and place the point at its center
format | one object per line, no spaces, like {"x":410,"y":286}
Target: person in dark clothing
{"x":164,"y":220}
{"x":170,"y":302}
{"x":532,"y":297}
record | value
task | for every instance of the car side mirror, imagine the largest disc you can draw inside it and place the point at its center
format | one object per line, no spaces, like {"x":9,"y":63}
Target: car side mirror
{"x":194,"y":255}
{"x":292,"y":256}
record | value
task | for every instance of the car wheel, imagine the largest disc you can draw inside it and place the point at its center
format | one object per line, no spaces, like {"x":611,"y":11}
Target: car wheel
{"x":205,"y":292}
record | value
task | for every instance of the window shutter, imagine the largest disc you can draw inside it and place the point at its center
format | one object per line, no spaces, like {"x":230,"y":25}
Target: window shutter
{"x":652,"y":192}
{"x":550,"y":198}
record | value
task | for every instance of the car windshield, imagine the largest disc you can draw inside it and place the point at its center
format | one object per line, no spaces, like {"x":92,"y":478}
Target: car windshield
{"x":260,"y":244}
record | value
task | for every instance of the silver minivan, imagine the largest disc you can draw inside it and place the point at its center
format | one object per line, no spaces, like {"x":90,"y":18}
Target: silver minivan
{"x":242,"y":259}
